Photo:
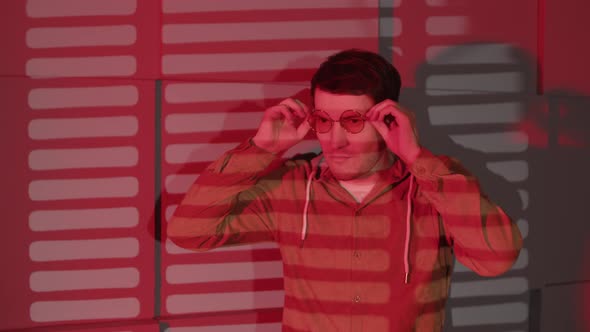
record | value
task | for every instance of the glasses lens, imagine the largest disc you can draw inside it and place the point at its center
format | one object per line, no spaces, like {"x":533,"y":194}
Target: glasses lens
{"x":352,"y":121}
{"x":321,"y":122}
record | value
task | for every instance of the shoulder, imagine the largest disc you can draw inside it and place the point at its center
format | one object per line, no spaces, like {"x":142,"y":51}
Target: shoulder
{"x":296,"y":167}
{"x":302,"y":162}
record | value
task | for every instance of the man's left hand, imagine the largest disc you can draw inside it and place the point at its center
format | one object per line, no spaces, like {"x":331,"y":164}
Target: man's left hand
{"x":397,"y":127}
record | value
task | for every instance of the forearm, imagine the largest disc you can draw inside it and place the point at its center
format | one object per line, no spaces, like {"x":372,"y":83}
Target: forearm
{"x":484,"y":238}
{"x":220,"y":207}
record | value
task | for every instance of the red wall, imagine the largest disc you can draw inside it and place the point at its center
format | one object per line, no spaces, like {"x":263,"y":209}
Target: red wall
{"x":113,"y":107}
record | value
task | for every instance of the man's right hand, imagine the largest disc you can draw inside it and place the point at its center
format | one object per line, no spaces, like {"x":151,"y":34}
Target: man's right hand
{"x":282,"y":126}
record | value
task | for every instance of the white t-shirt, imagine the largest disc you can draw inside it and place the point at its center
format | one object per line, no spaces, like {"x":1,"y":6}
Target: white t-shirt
{"x":358,"y":189}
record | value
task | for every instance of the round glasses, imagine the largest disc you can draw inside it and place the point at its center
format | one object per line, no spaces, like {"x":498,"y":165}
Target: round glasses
{"x":352,"y":121}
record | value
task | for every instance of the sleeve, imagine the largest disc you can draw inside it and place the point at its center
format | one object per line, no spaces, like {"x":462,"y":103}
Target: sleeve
{"x":224,"y":206}
{"x":483,"y":237}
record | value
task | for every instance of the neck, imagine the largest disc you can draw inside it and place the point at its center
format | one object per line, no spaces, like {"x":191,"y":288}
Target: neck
{"x":384,"y":162}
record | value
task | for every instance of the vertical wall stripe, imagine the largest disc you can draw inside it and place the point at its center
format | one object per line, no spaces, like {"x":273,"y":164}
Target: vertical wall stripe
{"x":540,"y":45}
{"x":535,"y":306}
{"x":158,"y":176}
{"x":385,"y":29}
{"x":157,"y":197}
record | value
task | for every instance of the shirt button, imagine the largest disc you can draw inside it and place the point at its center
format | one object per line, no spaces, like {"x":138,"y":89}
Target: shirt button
{"x":356,"y":254}
{"x":356,"y":299}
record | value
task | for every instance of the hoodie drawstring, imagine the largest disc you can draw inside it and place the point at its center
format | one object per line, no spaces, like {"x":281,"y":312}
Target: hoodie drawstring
{"x":408,"y":233}
{"x":305,"y":208}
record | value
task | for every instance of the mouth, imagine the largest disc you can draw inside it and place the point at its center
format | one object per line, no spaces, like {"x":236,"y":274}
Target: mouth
{"x":339,"y":157}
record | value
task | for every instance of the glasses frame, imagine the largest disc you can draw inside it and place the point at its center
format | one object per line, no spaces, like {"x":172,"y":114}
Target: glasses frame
{"x":313,"y":115}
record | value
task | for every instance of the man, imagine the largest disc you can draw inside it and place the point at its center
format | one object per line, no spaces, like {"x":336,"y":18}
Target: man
{"x":368,"y":229}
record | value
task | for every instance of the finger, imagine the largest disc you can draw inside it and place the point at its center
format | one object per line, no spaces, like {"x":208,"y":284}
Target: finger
{"x":304,"y":107}
{"x":381,"y":128}
{"x":383,"y":104}
{"x":303,"y":129}
{"x":304,"y":96}
{"x":297,"y":110}
{"x":394,"y":108}
{"x":301,"y":110}
{"x":402,"y":116}
{"x":295,"y":107}
{"x":383,"y":112}
{"x":276,"y":112}
{"x":403,"y":112}
{"x":374,"y":112}
{"x":389,"y":120}
{"x":287,"y":114}
{"x":403,"y":119}
{"x":381,"y":118}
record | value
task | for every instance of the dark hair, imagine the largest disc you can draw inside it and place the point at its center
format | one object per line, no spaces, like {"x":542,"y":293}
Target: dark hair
{"x":358,"y":72}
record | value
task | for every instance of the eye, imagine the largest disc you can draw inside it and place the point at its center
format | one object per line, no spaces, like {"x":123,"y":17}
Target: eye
{"x":322,"y":120}
{"x":353,"y":120}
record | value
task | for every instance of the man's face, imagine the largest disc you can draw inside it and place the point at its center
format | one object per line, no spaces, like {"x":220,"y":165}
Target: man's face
{"x":349,"y":156}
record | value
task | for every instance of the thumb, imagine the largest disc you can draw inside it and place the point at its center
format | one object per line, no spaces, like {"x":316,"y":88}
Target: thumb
{"x":303,"y":129}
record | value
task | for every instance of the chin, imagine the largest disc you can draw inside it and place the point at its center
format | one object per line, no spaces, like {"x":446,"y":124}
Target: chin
{"x":340,"y":170}
{"x":348,"y":170}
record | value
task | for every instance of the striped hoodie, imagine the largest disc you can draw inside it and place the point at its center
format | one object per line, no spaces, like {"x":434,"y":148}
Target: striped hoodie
{"x":383,"y":264}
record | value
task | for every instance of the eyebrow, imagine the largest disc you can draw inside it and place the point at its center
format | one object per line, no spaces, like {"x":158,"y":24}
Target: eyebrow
{"x":346,"y":110}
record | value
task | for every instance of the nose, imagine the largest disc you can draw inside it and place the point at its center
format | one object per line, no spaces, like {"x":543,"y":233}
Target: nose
{"x":338,"y":137}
